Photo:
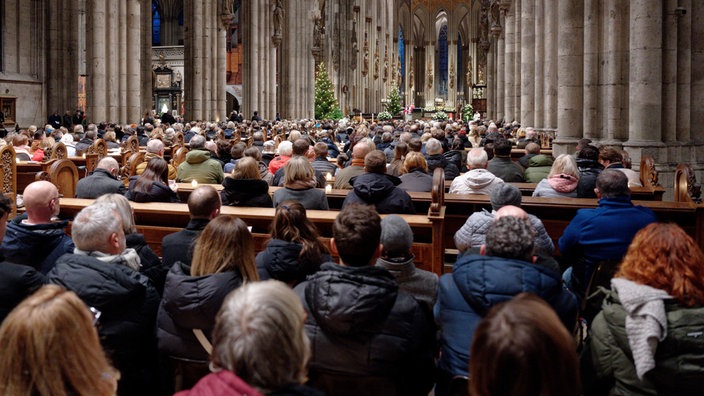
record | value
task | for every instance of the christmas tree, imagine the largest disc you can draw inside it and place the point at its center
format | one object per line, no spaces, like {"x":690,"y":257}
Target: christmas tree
{"x":393,"y":101}
{"x":325,"y":102}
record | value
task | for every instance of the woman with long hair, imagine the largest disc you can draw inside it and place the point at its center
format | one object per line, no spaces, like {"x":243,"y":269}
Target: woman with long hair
{"x":299,"y":185}
{"x":244,"y":186}
{"x":153,"y":184}
{"x":561,"y":181}
{"x":223,"y":260}
{"x":396,"y":165}
{"x":294,"y":250}
{"x":50,"y":346}
{"x":522,"y":348}
{"x":151,"y":265}
{"x":647,"y":339}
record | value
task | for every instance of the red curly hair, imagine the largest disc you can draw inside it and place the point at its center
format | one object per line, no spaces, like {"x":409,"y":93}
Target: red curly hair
{"x":663,"y":256}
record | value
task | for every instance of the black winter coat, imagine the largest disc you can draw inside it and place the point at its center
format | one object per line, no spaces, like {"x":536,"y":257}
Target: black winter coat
{"x":179,"y":245}
{"x":128,"y":302}
{"x":588,"y":172}
{"x":246,"y":192}
{"x":439,"y":161}
{"x":17,"y":282}
{"x":151,"y":264}
{"x":361,"y":325}
{"x":159,"y":192}
{"x":279,"y":260}
{"x":191,"y":302}
{"x":380,"y":190}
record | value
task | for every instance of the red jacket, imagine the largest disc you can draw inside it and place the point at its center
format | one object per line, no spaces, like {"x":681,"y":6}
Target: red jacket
{"x":221,"y":383}
{"x":278,"y":162}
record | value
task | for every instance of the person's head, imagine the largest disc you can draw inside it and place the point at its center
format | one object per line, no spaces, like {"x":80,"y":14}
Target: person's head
{"x":157,"y":170}
{"x":197,"y":142}
{"x":665,"y":257}
{"x":91,"y":134}
{"x":564,"y":165}
{"x":415,"y":160}
{"x":204,"y":203}
{"x":612,"y":183}
{"x":589,"y":152}
{"x":300,"y":147}
{"x":502,"y":147}
{"x":532,"y":148}
{"x":292,"y":225}
{"x":156,"y":146}
{"x":415,"y":145}
{"x":298,"y":169}
{"x":610,"y":155}
{"x":225,"y":244}
{"x":582,"y":143}
{"x":375,"y":162}
{"x":521,"y":348}
{"x":20,"y":140}
{"x":477,"y":158}
{"x":285,"y":148}
{"x":360,"y":150}
{"x":268,"y":147}
{"x":505,"y":194}
{"x":109,"y":164}
{"x":262,"y":322}
{"x":433,"y":147}
{"x":321,"y":150}
{"x":356,"y":235}
{"x":237,"y":150}
{"x":253,"y":152}
{"x":35,"y":359}
{"x":98,"y":228}
{"x":400,"y":150}
{"x":509,"y":237}
{"x":246,"y":168}
{"x":122,"y":205}
{"x":41,"y":202}
{"x":396,"y":237}
{"x":67,"y":139}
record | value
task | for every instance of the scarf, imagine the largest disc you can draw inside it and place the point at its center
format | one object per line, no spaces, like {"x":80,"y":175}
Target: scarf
{"x":128,"y":258}
{"x":563,"y":183}
{"x":301,"y":184}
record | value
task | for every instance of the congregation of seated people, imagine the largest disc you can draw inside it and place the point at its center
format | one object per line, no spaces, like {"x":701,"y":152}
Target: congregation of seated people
{"x":351,"y":314}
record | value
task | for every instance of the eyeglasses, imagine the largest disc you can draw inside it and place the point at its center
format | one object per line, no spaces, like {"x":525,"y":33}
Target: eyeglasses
{"x":96,"y":315}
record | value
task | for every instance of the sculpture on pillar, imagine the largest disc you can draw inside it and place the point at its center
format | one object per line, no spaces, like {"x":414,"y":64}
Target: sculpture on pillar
{"x":451,"y":76}
{"x":468,"y":76}
{"x":336,"y":46}
{"x":495,"y":15}
{"x":318,"y":36}
{"x":430,"y":74}
{"x":278,"y":22}
{"x":354,"y":47}
{"x":376,"y":65}
{"x":411,"y":74}
{"x":480,"y":74}
{"x":386,"y":68}
{"x":365,"y":63}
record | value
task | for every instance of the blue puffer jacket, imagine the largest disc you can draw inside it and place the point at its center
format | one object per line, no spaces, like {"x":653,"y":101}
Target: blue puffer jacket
{"x":36,"y":245}
{"x":476,"y":284}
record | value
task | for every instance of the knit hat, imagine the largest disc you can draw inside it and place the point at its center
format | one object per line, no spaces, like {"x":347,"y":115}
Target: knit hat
{"x":505,"y":194}
{"x":396,"y":236}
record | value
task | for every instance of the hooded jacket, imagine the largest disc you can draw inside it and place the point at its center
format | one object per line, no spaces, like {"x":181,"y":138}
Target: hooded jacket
{"x":538,"y":168}
{"x":280,"y":260}
{"x":361,"y":325}
{"x":128,"y":302}
{"x":245,"y":192}
{"x":439,"y":161}
{"x":479,"y":282}
{"x":220,"y":383}
{"x":476,"y":181}
{"x":199,"y":166}
{"x":36,"y":245}
{"x":380,"y":190}
{"x":589,"y":170}
{"x":158,"y":192}
{"x":191,"y":302}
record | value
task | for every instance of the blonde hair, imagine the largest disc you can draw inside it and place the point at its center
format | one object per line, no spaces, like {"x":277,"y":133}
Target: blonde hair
{"x":298,"y":168}
{"x":246,"y":168}
{"x":225,"y":245}
{"x":415,"y":160}
{"x":122,"y":205}
{"x":262,"y":322}
{"x":564,"y":164}
{"x":50,"y":347}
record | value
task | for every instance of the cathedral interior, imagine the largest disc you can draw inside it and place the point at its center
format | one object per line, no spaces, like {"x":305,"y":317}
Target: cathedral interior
{"x":624,"y":73}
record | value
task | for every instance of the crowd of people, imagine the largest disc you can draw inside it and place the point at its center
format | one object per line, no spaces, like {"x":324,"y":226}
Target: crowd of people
{"x":100,"y":313}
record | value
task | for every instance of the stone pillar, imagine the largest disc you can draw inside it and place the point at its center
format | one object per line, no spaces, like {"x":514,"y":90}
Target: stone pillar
{"x":516,"y":89}
{"x":501,"y":66}
{"x":616,"y":53}
{"x":550,"y":27}
{"x":297,"y":74}
{"x":145,"y":48}
{"x":539,"y":62}
{"x":491,"y":75}
{"x":221,"y":67}
{"x":645,"y":71}
{"x":591,"y":67}
{"x":570,"y":75}
{"x":96,"y":86}
{"x":132,"y":62}
{"x":509,"y":74}
{"x":112,"y":68}
{"x":697,"y":83}
{"x":528,"y":45}
{"x":684,"y":72}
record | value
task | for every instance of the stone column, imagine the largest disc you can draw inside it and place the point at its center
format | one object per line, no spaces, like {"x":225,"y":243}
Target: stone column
{"x":616,"y":53}
{"x":509,"y":74}
{"x":145,"y":48}
{"x":528,"y":45}
{"x":550,"y":27}
{"x":516,"y":89}
{"x":96,"y":86}
{"x":112,"y":66}
{"x":491,"y":74}
{"x":570,"y":75}
{"x":221,"y":69}
{"x":697,"y":83}
{"x":501,"y":66}
{"x":645,"y":71}
{"x":133,"y":61}
{"x":591,"y":67}
{"x":684,"y":71}
{"x":539,"y":62}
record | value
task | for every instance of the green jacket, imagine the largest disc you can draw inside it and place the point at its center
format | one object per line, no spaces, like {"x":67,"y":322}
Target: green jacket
{"x":538,"y":168}
{"x":607,"y":363}
{"x":201,"y":167}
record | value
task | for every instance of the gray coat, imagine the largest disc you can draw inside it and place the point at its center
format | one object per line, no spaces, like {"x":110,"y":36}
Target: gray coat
{"x":98,"y":183}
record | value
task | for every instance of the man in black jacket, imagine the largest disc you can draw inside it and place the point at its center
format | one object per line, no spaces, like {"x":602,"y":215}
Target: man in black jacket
{"x":367,"y":336}
{"x":105,"y":275}
{"x":103,"y":180}
{"x":203,"y":205}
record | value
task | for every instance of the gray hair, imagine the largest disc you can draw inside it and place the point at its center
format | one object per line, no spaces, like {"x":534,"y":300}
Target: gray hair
{"x":285,"y":148}
{"x":93,"y":226}
{"x":155,"y":146}
{"x":262,"y":322}
{"x":612,"y":183}
{"x":433,"y":146}
{"x":197,"y":142}
{"x":122,"y":205}
{"x":108,"y":163}
{"x":510,"y":237}
{"x":477,"y":158}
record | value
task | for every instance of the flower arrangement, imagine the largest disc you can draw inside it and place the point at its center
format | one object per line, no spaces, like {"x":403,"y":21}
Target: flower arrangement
{"x":384,"y":115}
{"x":409,"y":109}
{"x":467,"y":112}
{"x":440,"y":116}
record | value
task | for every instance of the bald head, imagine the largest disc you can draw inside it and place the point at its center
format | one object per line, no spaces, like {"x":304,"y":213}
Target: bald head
{"x":511,"y":211}
{"x":155,"y":146}
{"x":41,"y":202}
{"x":204,"y":203}
{"x":361,"y":150}
{"x":109,"y":164}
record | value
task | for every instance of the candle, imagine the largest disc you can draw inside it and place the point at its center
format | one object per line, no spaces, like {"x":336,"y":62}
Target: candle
{"x":194,"y":183}
{"x":328,"y":177}
{"x":328,"y":189}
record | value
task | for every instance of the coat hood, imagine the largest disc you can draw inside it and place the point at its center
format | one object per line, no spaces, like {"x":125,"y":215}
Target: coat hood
{"x":197,"y":156}
{"x":477,"y":179}
{"x":374,"y":187}
{"x":350,"y":300}
{"x":221,"y":383}
{"x":280,"y":260}
{"x":540,"y":160}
